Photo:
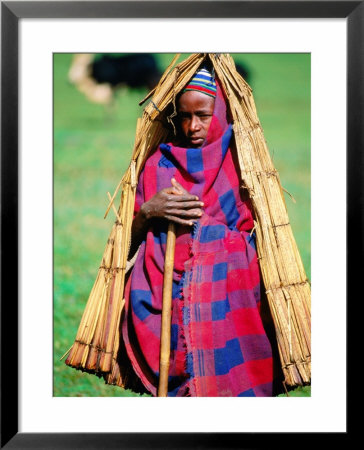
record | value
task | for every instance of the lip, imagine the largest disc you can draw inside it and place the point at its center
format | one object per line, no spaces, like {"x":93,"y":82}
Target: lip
{"x":196,"y":140}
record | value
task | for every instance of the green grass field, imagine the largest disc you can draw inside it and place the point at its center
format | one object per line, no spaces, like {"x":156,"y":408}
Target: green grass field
{"x":92,"y":148}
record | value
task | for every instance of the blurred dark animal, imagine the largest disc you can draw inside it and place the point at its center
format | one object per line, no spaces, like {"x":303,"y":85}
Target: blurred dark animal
{"x":243,"y":71}
{"x":134,"y":70}
{"x":99,"y":78}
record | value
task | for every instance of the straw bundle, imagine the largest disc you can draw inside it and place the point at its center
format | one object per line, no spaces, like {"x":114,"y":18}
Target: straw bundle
{"x":285,"y":281}
{"x":288,"y":291}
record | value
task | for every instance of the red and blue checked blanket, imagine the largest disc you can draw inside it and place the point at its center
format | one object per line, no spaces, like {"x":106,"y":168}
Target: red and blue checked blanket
{"x":218,"y":343}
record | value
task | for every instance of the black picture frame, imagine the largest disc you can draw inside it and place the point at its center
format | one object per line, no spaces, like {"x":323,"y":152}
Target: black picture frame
{"x":11,"y":12}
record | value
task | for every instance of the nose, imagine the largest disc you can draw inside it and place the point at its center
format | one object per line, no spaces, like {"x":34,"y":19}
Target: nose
{"x":194,"y":124}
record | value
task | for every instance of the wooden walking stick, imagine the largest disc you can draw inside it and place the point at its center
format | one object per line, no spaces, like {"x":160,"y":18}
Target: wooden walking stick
{"x":165,"y":347}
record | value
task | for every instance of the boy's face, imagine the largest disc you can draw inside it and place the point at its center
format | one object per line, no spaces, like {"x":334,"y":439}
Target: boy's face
{"x":195,"y":112}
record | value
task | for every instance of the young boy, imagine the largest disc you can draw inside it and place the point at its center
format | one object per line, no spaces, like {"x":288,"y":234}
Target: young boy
{"x":218,"y":343}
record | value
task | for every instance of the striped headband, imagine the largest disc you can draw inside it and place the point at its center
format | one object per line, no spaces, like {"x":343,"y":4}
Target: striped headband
{"x":203,"y":82}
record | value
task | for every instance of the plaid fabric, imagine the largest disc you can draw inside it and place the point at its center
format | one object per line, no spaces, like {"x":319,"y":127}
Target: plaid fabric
{"x":218,"y":343}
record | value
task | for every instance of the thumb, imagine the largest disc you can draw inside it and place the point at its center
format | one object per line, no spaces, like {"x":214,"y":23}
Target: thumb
{"x":180,"y":188}
{"x":173,"y":190}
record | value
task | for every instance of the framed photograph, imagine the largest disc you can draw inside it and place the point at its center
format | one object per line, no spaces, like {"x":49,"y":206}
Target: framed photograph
{"x":38,"y":41}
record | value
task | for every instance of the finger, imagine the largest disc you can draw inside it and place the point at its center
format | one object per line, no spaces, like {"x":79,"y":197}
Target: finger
{"x":185,"y":205}
{"x":178,"y":220}
{"x":196,"y":212}
{"x":178,"y":186}
{"x":185,"y":198}
{"x":172,"y":190}
{"x":186,"y":213}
